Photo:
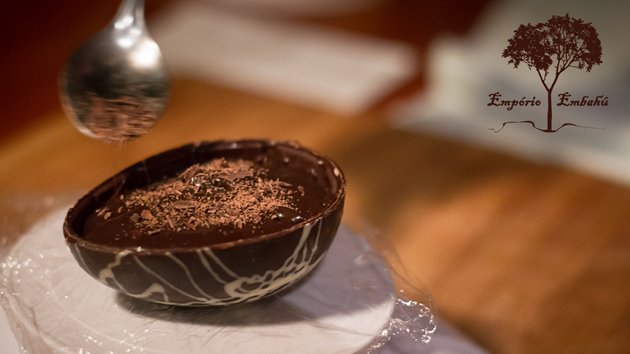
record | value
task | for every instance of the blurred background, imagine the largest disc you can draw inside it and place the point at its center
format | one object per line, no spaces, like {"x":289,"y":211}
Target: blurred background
{"x":41,"y":36}
{"x":520,"y":237}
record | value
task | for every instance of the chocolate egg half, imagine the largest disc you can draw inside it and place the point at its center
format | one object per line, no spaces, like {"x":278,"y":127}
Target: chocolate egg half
{"x":152,"y":255}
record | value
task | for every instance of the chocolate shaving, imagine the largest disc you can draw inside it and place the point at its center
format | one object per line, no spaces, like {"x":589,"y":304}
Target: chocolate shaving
{"x":219,"y":192}
{"x":236,"y":175}
{"x":189,"y":173}
{"x":183,"y":204}
{"x":190,"y":226}
{"x":101,"y":211}
{"x":117,"y":120}
{"x":146,"y":214}
{"x":170,"y":221}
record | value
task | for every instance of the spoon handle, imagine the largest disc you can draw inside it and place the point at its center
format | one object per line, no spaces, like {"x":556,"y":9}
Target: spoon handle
{"x":130,"y":14}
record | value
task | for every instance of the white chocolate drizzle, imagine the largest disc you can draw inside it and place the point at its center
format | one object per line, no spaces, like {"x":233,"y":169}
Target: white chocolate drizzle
{"x":187,"y":271}
{"x":273,"y":280}
{"x":164,"y":281}
{"x":82,"y":261}
{"x":154,"y":288}
{"x":238,"y":289}
{"x":219,"y":263}
{"x":108,"y":273}
{"x":208,"y":267}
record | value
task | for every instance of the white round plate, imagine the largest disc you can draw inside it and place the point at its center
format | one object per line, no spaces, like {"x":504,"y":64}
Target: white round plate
{"x":55,"y":307}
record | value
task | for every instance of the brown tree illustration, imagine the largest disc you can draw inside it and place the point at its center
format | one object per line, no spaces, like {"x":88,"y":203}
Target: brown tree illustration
{"x":551,"y":48}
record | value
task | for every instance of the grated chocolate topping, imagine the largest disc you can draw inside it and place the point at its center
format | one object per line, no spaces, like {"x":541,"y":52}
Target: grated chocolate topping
{"x":215,"y":193}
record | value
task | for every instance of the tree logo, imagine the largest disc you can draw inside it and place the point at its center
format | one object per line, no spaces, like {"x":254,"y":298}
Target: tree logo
{"x":551,"y":48}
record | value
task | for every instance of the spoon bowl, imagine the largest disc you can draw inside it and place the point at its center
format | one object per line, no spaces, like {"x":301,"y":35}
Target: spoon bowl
{"x":115,"y":86}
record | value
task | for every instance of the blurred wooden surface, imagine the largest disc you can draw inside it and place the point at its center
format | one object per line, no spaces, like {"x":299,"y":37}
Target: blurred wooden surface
{"x":522,"y":257}
{"x":39,"y":37}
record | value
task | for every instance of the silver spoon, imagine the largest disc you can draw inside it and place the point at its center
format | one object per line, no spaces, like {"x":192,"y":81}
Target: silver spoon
{"x":115,"y":86}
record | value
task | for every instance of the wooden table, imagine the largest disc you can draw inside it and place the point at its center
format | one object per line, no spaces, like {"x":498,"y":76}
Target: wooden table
{"x":523,"y":257}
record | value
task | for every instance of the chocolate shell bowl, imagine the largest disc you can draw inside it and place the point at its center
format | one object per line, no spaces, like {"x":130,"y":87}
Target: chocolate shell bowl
{"x":209,"y":224}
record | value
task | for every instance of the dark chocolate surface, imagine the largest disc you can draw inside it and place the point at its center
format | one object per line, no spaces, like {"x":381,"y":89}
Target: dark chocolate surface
{"x":310,"y":183}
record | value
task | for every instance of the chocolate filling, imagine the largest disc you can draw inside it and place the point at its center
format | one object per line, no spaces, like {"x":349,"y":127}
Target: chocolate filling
{"x":216,"y":201}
